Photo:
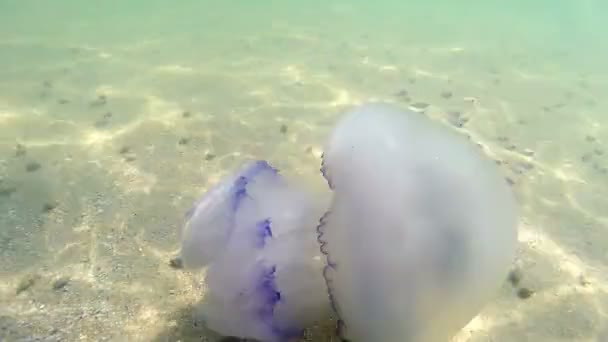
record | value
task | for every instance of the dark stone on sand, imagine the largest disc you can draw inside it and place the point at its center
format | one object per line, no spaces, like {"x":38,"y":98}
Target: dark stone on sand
{"x":527,"y":153}
{"x":521,"y":167}
{"x":524,"y":293}
{"x":61,"y":282}
{"x":124,"y":150}
{"x":130,"y":159}
{"x":420,"y":105}
{"x":186,"y":114}
{"x":598,"y":152}
{"x":446,"y":94}
{"x":456,"y":119}
{"x":176,"y":263}
{"x":183,"y":141}
{"x":401,"y":93}
{"x":583,"y":281}
{"x":107,"y":115}
{"x":32,"y":166}
{"x":49,"y":206}
{"x":590,"y":138}
{"x":515,"y":277}
{"x":283,"y":128}
{"x":209,"y":156}
{"x":510,"y":181}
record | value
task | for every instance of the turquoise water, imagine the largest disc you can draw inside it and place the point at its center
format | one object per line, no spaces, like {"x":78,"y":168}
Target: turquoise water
{"x":115,"y":116}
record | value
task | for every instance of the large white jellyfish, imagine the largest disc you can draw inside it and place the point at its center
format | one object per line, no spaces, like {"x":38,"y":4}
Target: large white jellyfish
{"x":421,"y":230}
{"x":420,"y":233}
{"x":255,"y":232}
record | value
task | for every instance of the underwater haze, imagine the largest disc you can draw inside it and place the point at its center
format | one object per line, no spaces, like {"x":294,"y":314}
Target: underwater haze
{"x":115,"y":116}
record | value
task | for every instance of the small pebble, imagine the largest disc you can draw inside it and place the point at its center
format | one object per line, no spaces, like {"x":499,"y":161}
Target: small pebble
{"x":107,"y":115}
{"x":598,"y":152}
{"x":583,"y":281}
{"x":186,"y":114}
{"x":524,"y":293}
{"x":446,"y":94}
{"x":590,"y":138}
{"x":183,"y":141}
{"x":283,"y":129}
{"x":456,"y":119}
{"x":124,"y":150}
{"x":419,"y":105}
{"x":130,"y":159}
{"x":176,"y":263}
{"x":209,"y":156}
{"x":521,"y":167}
{"x":32,"y":166}
{"x":515,"y":277}
{"x":60,"y":283}
{"x":49,"y":206}
{"x":401,"y":93}
{"x":528,"y":153}
{"x":510,"y":181}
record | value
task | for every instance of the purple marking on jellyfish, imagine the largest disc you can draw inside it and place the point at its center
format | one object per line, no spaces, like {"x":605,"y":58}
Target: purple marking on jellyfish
{"x":263,"y":231}
{"x":238,"y":189}
{"x":271,"y":296}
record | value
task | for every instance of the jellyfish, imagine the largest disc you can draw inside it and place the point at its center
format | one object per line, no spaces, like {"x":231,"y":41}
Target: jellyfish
{"x":421,"y":229}
{"x":254,"y":232}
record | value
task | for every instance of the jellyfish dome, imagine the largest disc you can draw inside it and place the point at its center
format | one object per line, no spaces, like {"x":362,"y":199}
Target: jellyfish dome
{"x":254,"y":231}
{"x":421,"y":230}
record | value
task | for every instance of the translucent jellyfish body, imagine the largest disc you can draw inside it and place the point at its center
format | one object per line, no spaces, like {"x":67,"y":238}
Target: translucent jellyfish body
{"x":255,"y":232}
{"x":421,"y":230}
